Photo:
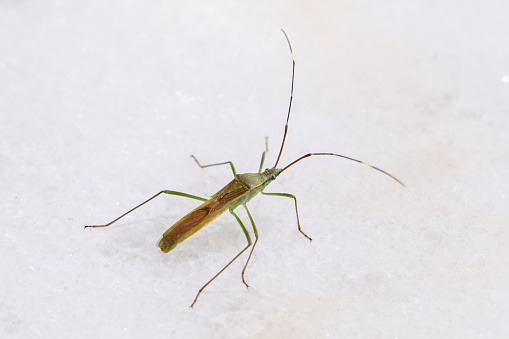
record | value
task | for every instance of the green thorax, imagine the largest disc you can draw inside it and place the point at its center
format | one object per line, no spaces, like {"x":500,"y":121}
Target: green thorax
{"x":251,"y":184}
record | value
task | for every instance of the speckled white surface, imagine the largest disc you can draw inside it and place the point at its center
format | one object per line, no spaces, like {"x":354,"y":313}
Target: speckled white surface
{"x":102,"y":104}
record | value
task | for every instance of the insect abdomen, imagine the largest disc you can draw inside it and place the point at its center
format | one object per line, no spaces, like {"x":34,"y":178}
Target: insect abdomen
{"x":188,"y":225}
{"x":229,"y":197}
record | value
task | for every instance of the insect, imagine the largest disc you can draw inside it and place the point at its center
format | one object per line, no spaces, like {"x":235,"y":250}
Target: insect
{"x":237,"y":192}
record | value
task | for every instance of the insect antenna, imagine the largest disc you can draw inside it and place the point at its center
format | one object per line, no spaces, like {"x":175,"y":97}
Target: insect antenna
{"x":342,"y":156}
{"x":311,"y":154}
{"x":291,"y":98}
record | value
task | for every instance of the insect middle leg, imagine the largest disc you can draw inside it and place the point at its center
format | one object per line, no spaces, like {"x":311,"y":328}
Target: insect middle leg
{"x":219,"y":163}
{"x":254,"y":245}
{"x":288,"y":195}
{"x":143,"y":203}
{"x":238,"y":255}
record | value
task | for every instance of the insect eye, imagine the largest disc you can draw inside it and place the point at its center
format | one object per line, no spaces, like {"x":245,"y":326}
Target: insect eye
{"x":272,"y":177}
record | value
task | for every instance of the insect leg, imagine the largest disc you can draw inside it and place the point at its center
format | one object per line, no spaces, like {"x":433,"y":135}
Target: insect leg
{"x":238,"y":255}
{"x":288,"y":195}
{"x":263,"y":154}
{"x":220,"y":163}
{"x":143,"y":203}
{"x":252,"y":249}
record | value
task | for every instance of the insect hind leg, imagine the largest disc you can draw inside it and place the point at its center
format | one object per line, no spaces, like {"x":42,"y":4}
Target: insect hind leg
{"x":185,"y":195}
{"x":231,"y":261}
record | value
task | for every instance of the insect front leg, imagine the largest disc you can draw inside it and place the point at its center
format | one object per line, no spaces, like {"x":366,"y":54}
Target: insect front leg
{"x":143,"y":203}
{"x":220,"y":163}
{"x":263,"y":154}
{"x":238,"y":255}
{"x":288,"y":195}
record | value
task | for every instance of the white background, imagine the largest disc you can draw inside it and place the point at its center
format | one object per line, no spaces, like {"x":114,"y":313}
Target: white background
{"x":102,"y":104}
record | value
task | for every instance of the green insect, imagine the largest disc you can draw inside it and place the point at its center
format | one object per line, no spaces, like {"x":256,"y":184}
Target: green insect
{"x":237,"y":192}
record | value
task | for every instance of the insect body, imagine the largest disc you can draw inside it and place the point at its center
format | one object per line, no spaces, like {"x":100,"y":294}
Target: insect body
{"x":237,"y":192}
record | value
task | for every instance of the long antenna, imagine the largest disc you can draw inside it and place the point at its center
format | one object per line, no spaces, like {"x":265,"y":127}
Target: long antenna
{"x":311,"y":154}
{"x":342,"y":156}
{"x":291,"y":97}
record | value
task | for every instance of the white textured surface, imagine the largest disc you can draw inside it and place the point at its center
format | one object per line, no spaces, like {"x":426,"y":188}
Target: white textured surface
{"x":102,"y":104}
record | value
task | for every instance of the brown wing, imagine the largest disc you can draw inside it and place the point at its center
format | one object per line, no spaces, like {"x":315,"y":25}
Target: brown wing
{"x":185,"y":227}
{"x":231,"y":191}
{"x":202,"y":215}
{"x":192,"y":219}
